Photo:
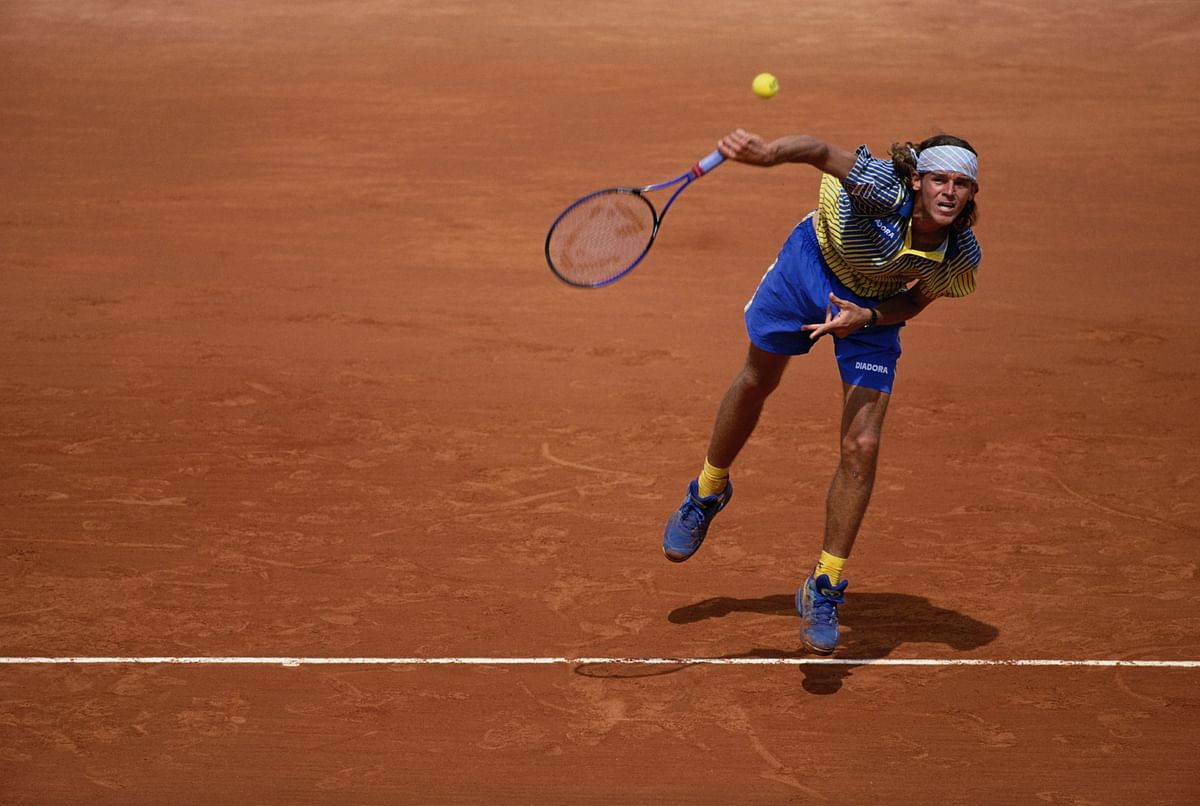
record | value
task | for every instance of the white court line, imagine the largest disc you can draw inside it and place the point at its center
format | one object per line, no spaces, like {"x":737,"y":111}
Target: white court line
{"x":583,"y":661}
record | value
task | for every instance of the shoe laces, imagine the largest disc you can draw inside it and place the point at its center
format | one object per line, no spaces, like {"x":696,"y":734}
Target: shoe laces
{"x":693,"y":515}
{"x":824,"y":608}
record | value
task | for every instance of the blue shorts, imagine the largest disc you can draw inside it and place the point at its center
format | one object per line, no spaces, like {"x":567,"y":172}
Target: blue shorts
{"x":795,"y":291}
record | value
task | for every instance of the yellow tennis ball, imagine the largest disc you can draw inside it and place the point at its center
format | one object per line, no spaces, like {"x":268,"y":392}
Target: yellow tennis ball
{"x":765,"y":85}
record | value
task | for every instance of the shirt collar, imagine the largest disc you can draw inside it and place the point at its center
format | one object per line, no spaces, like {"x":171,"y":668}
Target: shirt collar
{"x":937,"y":255}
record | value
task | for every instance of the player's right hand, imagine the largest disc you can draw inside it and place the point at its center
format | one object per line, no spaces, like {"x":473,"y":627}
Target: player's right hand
{"x":742,"y":146}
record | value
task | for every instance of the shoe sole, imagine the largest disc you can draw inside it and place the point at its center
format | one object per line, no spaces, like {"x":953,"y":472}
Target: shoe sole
{"x":816,"y":650}
{"x":676,"y":558}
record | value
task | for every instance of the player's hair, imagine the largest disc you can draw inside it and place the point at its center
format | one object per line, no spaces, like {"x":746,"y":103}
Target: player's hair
{"x":904,"y":162}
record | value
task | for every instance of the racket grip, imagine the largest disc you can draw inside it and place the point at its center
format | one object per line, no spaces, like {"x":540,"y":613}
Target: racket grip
{"x":707,"y":164}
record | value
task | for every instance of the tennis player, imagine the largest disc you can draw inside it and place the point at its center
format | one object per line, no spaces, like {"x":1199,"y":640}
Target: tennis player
{"x":888,"y":237}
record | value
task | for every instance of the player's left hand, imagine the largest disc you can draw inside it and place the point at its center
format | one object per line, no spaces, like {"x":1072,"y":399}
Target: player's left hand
{"x":849,"y":318}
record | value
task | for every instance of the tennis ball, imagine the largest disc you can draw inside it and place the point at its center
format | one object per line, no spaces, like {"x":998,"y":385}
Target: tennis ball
{"x":765,"y":85}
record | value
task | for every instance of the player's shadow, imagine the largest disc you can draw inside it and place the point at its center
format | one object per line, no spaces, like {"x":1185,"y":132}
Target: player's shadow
{"x":873,"y":625}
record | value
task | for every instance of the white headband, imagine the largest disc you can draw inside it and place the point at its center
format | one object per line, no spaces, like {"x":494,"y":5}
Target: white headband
{"x":947,"y":159}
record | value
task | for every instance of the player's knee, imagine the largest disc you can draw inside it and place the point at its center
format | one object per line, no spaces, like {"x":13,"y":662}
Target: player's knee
{"x":756,"y":383}
{"x":860,"y":452}
{"x":761,"y":377}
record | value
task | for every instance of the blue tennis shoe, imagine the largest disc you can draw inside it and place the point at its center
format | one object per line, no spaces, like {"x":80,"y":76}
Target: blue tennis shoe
{"x":687,"y":527}
{"x":817,"y":601}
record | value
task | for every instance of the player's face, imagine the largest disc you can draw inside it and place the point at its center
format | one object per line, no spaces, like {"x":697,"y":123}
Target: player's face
{"x":942,"y":196}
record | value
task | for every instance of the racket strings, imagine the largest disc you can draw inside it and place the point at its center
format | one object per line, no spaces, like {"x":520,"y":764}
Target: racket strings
{"x":601,"y":237}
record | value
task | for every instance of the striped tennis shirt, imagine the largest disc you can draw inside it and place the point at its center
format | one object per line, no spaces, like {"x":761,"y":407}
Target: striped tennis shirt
{"x":862,"y":227}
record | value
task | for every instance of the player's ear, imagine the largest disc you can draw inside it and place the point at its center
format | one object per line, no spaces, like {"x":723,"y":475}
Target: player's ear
{"x":915,"y":181}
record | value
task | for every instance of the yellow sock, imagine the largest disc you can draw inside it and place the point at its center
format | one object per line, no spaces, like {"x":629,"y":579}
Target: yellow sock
{"x":832,"y":566}
{"x":712,"y":480}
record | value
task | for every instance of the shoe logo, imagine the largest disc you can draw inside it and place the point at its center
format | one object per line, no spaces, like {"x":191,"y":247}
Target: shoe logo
{"x":863,"y":365}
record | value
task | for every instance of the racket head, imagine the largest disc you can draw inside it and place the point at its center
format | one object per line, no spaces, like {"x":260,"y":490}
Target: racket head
{"x":601,"y":237}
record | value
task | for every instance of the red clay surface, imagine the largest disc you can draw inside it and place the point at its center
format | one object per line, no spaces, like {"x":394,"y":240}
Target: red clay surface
{"x":282,"y":372}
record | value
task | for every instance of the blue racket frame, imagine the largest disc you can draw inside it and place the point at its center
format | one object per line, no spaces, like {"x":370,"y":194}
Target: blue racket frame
{"x":698,"y":170}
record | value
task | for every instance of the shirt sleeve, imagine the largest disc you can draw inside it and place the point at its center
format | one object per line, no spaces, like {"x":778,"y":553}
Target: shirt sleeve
{"x":873,"y":187}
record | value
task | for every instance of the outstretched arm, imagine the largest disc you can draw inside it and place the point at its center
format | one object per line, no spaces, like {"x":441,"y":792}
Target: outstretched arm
{"x":742,"y":146}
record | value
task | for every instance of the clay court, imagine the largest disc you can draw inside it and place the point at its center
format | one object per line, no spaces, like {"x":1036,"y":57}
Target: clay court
{"x":283,"y":374}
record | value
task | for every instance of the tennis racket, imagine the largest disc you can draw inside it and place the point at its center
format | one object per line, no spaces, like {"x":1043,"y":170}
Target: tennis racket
{"x":603,"y":236}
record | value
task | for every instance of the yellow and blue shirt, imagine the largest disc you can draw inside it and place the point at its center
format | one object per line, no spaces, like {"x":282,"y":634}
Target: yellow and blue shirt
{"x":862,"y":229}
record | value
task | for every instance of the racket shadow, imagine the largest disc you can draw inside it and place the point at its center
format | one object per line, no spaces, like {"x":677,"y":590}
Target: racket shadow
{"x":609,"y":671}
{"x":874,"y":625}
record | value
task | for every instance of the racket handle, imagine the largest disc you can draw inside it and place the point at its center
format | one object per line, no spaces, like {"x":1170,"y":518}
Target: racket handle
{"x":707,"y":164}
